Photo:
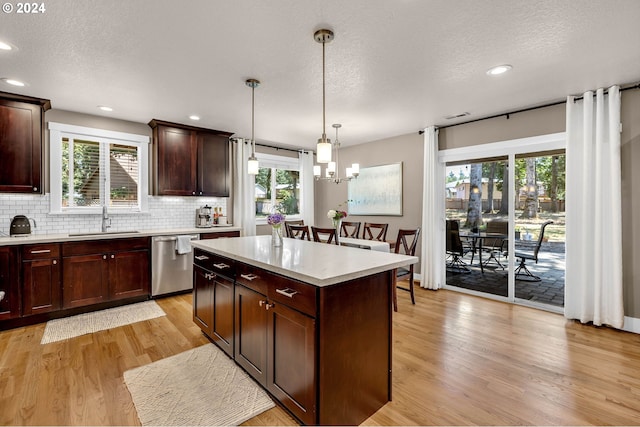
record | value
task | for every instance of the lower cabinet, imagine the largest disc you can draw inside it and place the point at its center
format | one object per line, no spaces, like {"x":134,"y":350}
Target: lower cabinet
{"x":9,"y":283}
{"x":41,"y":285}
{"x":213,"y":307}
{"x":105,"y":270}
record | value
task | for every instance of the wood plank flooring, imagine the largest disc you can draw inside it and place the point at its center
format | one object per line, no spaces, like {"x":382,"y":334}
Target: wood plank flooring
{"x":458,"y":360}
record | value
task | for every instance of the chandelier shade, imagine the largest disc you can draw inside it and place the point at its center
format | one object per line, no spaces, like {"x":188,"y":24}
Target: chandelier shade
{"x":253,"y":166}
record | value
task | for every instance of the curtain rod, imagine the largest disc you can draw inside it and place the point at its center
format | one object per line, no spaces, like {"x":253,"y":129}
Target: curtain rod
{"x":634,"y":86}
{"x":272,"y":146}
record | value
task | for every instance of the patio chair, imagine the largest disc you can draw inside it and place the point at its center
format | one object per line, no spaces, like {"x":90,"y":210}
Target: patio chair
{"x":522,"y":272}
{"x":494,"y":245}
{"x":455,"y":249}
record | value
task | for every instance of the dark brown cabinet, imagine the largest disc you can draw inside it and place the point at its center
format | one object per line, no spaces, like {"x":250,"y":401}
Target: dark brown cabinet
{"x":190,"y":161}
{"x":9,"y":283}
{"x":275,"y":339}
{"x":213,"y":290}
{"x":104,"y":270}
{"x":41,"y":285}
{"x":219,"y":235}
{"x":21,"y":142}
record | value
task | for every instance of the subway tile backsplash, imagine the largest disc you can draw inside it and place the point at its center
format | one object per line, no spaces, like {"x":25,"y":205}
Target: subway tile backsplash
{"x":164,"y":213}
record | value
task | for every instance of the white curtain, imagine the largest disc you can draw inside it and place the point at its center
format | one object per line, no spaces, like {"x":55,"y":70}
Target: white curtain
{"x":433,"y":221}
{"x":244,"y":211}
{"x":307,"y":186}
{"x":593,"y":284}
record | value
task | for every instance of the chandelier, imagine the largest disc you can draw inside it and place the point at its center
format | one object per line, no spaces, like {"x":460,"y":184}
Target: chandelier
{"x":332,"y":173}
{"x":253,"y":165}
{"x":324,"y":148}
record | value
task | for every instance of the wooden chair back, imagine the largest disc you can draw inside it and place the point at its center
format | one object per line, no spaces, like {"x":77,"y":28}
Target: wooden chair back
{"x":350,"y":229}
{"x":324,"y":235}
{"x":300,"y":232}
{"x":406,"y":243}
{"x":288,"y":223}
{"x":373,"y":231}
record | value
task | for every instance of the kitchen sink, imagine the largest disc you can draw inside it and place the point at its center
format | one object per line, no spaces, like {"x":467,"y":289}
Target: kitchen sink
{"x":102,"y":233}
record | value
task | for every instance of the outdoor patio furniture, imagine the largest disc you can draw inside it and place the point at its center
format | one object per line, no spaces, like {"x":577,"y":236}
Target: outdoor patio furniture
{"x":455,"y":249}
{"x":522,"y":272}
{"x":496,"y":234}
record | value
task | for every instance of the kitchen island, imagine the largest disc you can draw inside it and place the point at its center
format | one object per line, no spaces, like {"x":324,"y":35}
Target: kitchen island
{"x":311,"y":322}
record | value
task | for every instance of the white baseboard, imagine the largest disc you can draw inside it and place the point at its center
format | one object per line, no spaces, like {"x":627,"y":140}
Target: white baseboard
{"x":631,"y":324}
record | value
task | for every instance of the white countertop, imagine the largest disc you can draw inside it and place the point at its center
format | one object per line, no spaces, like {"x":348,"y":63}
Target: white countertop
{"x":35,"y":237}
{"x":319,"y":264}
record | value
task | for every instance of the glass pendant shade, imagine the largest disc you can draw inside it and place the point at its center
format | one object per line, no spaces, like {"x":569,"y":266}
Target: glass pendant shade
{"x":253,"y":166}
{"x":323,"y":150}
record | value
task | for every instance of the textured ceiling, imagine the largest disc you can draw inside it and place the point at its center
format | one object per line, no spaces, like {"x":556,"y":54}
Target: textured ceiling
{"x":394,"y":67}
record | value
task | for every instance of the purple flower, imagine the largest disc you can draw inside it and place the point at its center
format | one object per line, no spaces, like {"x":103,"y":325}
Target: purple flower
{"x":275,"y":218}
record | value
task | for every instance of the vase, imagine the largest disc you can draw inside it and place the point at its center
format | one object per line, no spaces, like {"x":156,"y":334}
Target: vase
{"x":337,"y":224}
{"x":276,"y":235}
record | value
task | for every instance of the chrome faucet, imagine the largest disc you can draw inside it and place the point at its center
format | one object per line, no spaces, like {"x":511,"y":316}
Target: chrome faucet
{"x":106,"y":221}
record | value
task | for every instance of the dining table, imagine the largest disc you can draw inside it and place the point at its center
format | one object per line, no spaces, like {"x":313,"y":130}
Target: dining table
{"x":477,"y":242}
{"x":374,"y":245}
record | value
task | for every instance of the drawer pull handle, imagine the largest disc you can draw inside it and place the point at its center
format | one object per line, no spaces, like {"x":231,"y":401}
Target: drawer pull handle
{"x":202,"y":257}
{"x":268,"y":306}
{"x":41,"y":251}
{"x":208,"y":276}
{"x":249,"y":277}
{"x":287,"y":292}
{"x":261,"y":303}
{"x":221,"y":266}
{"x":55,"y":261}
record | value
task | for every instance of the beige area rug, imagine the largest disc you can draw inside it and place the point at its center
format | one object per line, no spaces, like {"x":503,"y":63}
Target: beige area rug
{"x":74,"y":326}
{"x":201,"y":386}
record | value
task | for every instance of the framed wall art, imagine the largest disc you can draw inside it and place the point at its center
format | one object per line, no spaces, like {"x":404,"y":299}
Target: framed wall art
{"x":377,"y":191}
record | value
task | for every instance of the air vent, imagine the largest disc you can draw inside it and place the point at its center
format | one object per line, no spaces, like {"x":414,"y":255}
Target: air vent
{"x":455,"y":116}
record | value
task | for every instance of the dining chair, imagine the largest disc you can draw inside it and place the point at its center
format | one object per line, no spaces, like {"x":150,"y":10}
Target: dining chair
{"x":494,"y":245}
{"x":522,"y":272}
{"x":406,"y":244}
{"x":455,"y":249}
{"x":300,"y":232}
{"x":350,"y":229}
{"x":287,"y":232}
{"x":324,"y":235}
{"x":373,"y":231}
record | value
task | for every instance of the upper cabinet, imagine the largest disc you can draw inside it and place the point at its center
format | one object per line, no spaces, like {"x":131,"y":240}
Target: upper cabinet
{"x":21,"y":142}
{"x":190,"y":161}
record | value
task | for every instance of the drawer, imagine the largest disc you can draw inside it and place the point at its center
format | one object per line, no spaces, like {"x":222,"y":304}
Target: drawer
{"x":216,"y":263}
{"x":297,"y":295}
{"x":219,"y":235}
{"x":92,"y":247}
{"x":41,"y":251}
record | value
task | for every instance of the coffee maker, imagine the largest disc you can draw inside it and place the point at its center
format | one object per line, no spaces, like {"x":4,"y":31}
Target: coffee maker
{"x":204,"y":218}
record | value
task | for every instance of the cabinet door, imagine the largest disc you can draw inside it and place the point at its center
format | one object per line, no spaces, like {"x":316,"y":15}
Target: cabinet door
{"x":291,"y":354}
{"x":223,"y":313}
{"x":251,"y":333}
{"x":41,"y":286}
{"x":20,"y":147}
{"x":176,"y":162}
{"x":85,"y":280}
{"x":128,"y":274}
{"x":10,"y":302}
{"x":203,"y":299}
{"x":213,"y":165}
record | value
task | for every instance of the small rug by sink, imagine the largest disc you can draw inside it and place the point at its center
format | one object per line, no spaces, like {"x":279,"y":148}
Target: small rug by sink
{"x":74,"y":326}
{"x":201,"y":386}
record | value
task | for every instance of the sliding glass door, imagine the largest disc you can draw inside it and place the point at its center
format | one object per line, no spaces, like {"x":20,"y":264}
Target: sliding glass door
{"x":505,"y":224}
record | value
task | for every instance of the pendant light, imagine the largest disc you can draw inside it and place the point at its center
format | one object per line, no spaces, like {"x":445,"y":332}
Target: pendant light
{"x":323,"y":148}
{"x":253,"y":165}
{"x":332,"y":173}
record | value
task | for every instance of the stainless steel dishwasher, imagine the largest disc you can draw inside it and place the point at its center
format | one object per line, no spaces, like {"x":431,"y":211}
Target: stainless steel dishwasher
{"x":171,"y":272}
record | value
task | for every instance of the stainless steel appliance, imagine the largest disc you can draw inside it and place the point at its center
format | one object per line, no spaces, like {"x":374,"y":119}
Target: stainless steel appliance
{"x":21,"y":225}
{"x":171,"y":271}
{"x":204,"y":218}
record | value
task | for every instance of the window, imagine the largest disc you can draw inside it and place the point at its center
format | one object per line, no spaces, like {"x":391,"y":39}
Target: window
{"x":277,"y":186}
{"x":91,"y":168}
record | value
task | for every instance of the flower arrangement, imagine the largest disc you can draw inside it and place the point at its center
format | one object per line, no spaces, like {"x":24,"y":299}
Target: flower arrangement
{"x":335,"y":214}
{"x":275,"y":219}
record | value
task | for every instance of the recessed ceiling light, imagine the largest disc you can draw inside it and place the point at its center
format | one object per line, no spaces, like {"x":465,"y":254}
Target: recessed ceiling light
{"x":105,"y":108}
{"x":194,"y":117}
{"x":13,"y":82}
{"x":5,"y":46}
{"x":499,"y":69}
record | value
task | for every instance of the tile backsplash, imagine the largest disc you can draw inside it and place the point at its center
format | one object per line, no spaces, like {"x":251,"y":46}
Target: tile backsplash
{"x":164,"y":213}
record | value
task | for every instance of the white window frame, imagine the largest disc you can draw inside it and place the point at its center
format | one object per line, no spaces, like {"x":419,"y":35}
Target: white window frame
{"x":283,"y":163}
{"x":60,"y":131}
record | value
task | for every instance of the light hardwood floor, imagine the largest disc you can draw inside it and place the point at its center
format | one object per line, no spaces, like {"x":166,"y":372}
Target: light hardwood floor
{"x":458,"y":360}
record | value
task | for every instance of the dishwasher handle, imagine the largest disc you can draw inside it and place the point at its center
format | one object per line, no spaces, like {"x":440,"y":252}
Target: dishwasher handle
{"x":172,"y":238}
